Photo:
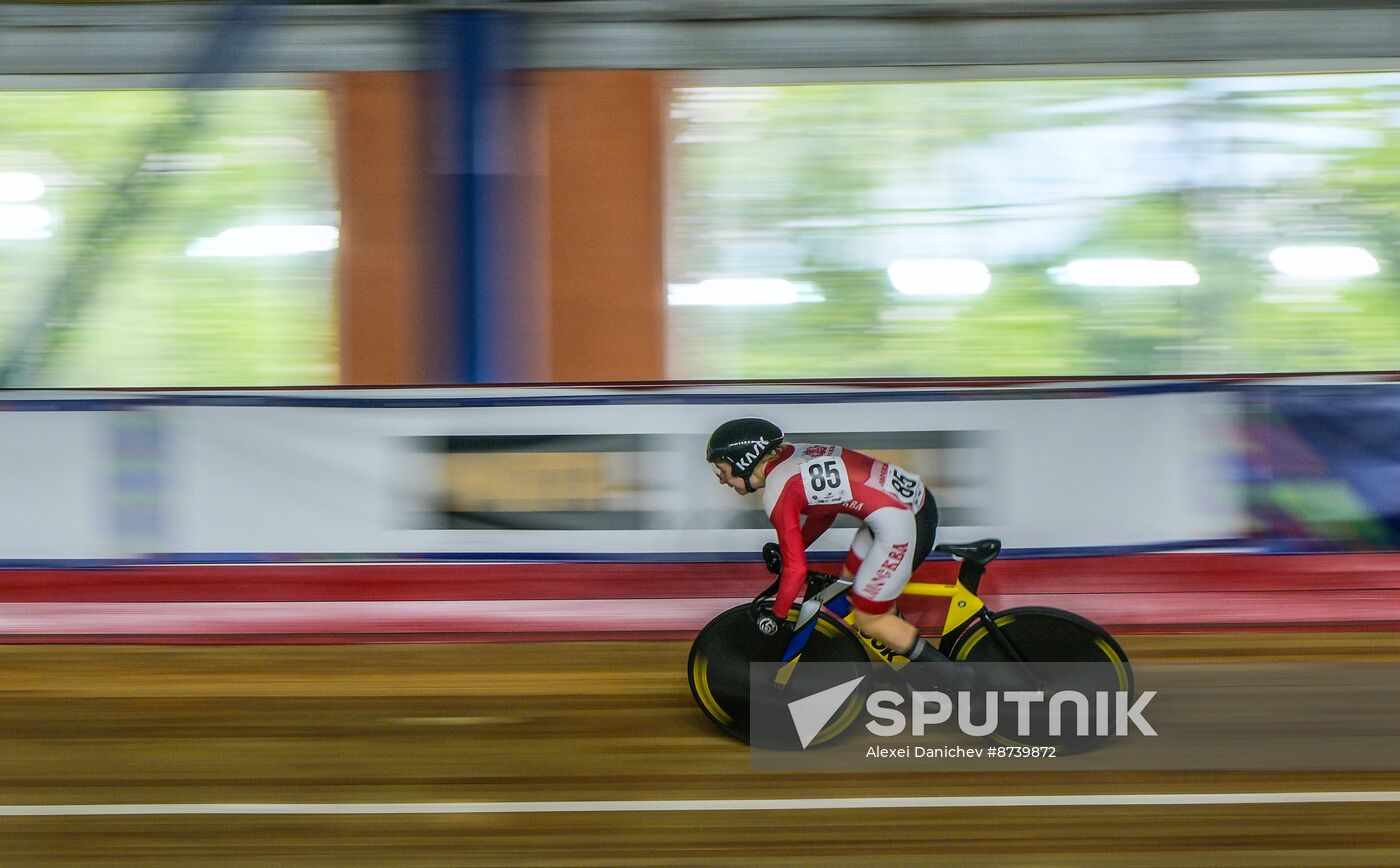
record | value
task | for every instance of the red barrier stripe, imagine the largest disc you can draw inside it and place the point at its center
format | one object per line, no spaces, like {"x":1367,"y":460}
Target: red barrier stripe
{"x":353,"y":638}
{"x":356,"y":617}
{"x":408,"y":602}
{"x":503,"y":620}
{"x":1221,"y":608}
{"x":1137,"y":574}
{"x":408,"y":581}
{"x":1167,"y":573}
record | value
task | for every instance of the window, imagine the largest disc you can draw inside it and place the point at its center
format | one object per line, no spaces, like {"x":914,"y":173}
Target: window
{"x":1050,"y":227}
{"x":216,"y":268}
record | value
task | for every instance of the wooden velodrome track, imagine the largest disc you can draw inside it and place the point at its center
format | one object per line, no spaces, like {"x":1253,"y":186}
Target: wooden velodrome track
{"x":395,"y":725}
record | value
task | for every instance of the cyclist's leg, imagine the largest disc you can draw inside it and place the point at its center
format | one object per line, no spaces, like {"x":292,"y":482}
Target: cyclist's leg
{"x":880,"y":575}
{"x":860,"y":549}
{"x":925,"y":529}
{"x":880,"y":580}
{"x":870,"y":615}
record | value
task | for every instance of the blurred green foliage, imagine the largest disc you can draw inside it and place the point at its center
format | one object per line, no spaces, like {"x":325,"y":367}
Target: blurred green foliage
{"x":157,"y":316}
{"x":827,"y":184}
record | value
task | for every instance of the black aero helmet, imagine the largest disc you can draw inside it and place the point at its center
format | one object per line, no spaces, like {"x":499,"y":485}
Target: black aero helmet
{"x":742,"y":442}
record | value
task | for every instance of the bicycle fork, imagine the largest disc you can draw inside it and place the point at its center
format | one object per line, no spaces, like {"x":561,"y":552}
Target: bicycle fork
{"x":807,"y":622}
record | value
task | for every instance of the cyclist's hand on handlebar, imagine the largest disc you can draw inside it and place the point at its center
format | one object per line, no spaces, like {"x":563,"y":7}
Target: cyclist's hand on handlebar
{"x":770,"y":624}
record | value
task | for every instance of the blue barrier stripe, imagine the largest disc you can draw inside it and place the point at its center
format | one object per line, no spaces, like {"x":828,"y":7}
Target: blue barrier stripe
{"x":61,"y":405}
{"x":243,"y":558}
{"x":685,"y":399}
{"x":855,"y":394}
{"x":864,"y":397}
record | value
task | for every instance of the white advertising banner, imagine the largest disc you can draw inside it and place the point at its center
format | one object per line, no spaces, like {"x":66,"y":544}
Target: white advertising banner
{"x":57,"y":480}
{"x":569,"y":473}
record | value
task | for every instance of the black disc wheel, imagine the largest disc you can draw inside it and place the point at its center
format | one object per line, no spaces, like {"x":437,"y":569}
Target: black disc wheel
{"x":1056,"y":653}
{"x":720,"y":662}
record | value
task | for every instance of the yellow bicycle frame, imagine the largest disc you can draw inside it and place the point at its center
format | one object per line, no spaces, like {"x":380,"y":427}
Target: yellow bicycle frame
{"x":962,"y":606}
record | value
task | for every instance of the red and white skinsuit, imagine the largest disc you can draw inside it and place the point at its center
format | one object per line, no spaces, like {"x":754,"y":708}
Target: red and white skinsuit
{"x":807,"y":486}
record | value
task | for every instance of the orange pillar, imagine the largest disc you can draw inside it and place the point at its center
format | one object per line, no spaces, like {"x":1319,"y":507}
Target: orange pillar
{"x":383,"y":302}
{"x":602,"y":161}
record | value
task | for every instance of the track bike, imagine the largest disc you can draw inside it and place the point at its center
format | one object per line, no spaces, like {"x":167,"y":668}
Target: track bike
{"x":822,"y":631}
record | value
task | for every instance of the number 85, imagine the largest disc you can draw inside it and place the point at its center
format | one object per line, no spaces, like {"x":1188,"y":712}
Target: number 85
{"x":824,"y":475}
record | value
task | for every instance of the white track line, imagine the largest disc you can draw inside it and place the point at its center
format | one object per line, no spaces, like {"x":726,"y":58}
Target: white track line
{"x":1098,"y":799}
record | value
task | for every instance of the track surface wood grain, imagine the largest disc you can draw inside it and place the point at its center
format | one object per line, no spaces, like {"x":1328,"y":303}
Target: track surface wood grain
{"x":100,"y":724}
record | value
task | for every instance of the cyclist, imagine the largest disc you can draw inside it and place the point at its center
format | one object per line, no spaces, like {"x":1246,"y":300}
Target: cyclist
{"x":805,"y":486}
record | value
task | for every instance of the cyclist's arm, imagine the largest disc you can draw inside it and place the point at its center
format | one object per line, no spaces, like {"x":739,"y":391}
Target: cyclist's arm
{"x":787,"y":520}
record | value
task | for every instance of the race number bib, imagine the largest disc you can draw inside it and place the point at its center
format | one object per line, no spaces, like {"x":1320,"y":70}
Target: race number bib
{"x":824,"y":480}
{"x":903,"y":485}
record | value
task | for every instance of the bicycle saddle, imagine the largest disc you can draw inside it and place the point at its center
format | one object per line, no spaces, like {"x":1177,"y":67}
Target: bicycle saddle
{"x":982,"y":552}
